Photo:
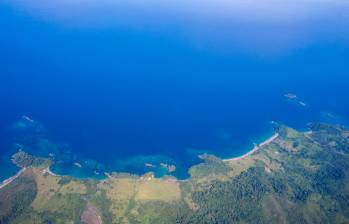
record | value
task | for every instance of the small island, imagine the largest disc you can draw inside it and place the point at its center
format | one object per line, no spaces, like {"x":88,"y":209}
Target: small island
{"x":294,"y":98}
{"x":170,"y":168}
{"x":291,"y":96}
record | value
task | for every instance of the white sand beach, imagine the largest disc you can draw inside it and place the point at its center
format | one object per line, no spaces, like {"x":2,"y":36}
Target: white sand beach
{"x":47,"y":170}
{"x":9,"y":180}
{"x":256,"y":148}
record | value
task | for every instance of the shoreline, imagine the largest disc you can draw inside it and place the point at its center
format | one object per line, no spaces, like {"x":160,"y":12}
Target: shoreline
{"x":255,"y":149}
{"x":9,"y":180}
{"x":47,"y":170}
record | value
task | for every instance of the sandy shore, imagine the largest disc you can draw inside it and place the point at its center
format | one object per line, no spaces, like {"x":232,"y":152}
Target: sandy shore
{"x":47,"y":170}
{"x":9,"y":180}
{"x":256,"y":148}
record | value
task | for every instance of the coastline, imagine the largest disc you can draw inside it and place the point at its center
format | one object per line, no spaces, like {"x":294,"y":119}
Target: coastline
{"x":47,"y":170}
{"x":9,"y":180}
{"x":255,"y":149}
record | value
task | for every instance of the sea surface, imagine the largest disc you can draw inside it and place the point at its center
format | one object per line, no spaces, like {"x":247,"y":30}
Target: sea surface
{"x":114,"y":85}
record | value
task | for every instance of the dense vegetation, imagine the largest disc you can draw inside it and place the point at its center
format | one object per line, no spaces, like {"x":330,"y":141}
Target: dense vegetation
{"x":17,"y":197}
{"x":298,"y":178}
{"x":23,"y":159}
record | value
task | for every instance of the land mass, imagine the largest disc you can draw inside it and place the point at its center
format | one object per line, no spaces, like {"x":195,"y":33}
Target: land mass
{"x":293,"y":177}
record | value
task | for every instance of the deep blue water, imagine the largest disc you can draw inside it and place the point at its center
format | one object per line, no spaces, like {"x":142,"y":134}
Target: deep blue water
{"x":126,"y":84}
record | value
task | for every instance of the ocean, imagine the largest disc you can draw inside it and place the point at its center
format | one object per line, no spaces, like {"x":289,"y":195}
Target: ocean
{"x":128,"y":86}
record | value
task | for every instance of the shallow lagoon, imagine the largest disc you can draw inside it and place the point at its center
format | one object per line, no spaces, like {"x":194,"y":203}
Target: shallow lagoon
{"x":125,"y":83}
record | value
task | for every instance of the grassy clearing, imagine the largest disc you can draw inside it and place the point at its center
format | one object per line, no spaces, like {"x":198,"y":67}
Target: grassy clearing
{"x":159,"y":190}
{"x":73,"y":186}
{"x":47,"y":186}
{"x":120,"y":192}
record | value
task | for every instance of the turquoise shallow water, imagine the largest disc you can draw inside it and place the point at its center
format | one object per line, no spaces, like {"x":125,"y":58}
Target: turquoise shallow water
{"x":116,"y":85}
